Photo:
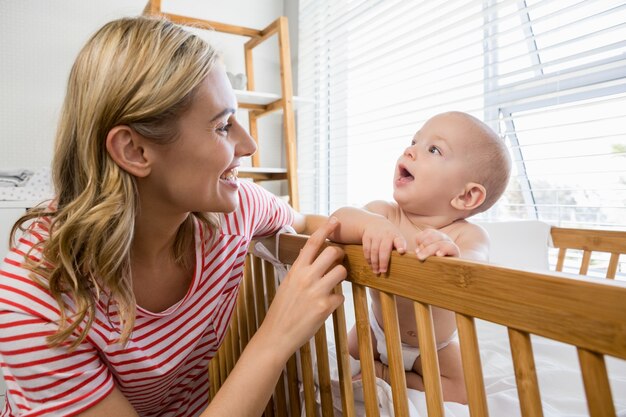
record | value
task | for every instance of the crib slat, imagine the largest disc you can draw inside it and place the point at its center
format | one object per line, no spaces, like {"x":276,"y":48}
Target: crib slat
{"x":249,"y":294}
{"x":280,"y":401}
{"x":308,"y":381}
{"x":474,"y":382}
{"x":236,"y":337}
{"x":259,"y":290}
{"x":279,"y":393}
{"x":306,"y":365}
{"x":227,"y":351}
{"x":259,"y":296}
{"x":612,"y":269}
{"x":430,"y":360}
{"x":292,"y":386}
{"x":242,"y":306}
{"x":343,"y":358}
{"x":214,"y":368}
{"x":561,"y":259}
{"x":323,"y":372}
{"x":366,"y":353}
{"x":222,"y":361}
{"x":584,"y":266}
{"x":597,"y":388}
{"x":394,"y":352}
{"x":525,"y":374}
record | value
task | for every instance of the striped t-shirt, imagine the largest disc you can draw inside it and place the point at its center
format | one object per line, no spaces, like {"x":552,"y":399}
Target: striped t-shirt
{"x":162,"y":370}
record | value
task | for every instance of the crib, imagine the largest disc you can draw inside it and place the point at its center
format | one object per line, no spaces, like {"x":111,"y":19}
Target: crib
{"x":585,"y":313}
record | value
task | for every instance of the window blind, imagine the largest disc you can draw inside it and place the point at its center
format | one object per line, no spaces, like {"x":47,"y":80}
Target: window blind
{"x":549,"y":76}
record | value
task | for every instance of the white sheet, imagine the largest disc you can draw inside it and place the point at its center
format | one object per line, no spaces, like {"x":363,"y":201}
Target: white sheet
{"x":558,"y":372}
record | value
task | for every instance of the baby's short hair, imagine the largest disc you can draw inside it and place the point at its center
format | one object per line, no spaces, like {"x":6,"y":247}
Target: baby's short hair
{"x":492,"y":162}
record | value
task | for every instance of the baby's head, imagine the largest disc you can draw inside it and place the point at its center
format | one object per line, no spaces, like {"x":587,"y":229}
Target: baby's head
{"x":456,"y":164}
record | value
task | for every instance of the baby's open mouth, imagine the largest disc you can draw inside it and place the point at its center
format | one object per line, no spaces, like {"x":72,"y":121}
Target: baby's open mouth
{"x":405,"y":175}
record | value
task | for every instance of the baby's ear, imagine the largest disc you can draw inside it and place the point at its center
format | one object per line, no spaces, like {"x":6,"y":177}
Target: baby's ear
{"x":472,"y":197}
{"x":125,"y":148}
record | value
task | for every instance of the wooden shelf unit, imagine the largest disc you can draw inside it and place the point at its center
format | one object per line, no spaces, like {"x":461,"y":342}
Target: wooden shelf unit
{"x":258,"y":104}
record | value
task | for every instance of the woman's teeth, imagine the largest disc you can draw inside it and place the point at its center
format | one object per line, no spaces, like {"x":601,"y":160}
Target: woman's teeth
{"x":230,"y":175}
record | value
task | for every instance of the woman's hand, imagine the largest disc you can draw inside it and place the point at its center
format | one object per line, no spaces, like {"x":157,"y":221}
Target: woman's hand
{"x":305,"y":298}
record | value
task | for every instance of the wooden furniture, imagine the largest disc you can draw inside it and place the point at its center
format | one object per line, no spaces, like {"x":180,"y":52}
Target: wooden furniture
{"x":258,"y":104}
{"x":584,"y":312}
{"x":589,"y":241}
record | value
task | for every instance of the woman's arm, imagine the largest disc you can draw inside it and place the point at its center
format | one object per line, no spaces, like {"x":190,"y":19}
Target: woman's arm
{"x":302,"y":303}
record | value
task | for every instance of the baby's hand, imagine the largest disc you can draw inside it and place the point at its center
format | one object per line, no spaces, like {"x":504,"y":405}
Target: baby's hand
{"x":380,"y":237}
{"x":433,"y":242}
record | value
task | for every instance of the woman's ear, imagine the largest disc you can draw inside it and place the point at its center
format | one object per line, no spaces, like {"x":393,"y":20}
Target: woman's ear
{"x":472,"y":197}
{"x":125,"y":148}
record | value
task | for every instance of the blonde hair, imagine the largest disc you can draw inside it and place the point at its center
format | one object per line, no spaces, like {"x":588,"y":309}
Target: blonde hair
{"x":141,"y":72}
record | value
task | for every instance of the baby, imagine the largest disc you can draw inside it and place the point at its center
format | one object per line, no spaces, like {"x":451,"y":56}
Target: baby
{"x":455,"y":167}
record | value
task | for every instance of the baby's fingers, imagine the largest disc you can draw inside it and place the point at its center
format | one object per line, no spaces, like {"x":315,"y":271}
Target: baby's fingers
{"x":374,"y":255}
{"x":440,"y":248}
{"x":400,"y":244}
{"x":384,"y":254}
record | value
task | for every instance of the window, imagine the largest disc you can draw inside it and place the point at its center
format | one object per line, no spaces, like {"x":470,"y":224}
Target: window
{"x":548,"y":76}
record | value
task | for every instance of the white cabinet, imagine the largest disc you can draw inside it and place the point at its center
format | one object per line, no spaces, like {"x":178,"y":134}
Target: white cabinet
{"x":10,"y":211}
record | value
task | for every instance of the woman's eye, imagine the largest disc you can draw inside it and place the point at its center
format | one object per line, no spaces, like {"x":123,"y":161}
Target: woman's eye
{"x":224,"y":129}
{"x":434,"y":150}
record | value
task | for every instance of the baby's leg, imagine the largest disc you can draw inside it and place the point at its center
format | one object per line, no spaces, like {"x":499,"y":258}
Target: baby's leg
{"x":353,"y":348}
{"x":451,"y":369}
{"x":353,"y":344}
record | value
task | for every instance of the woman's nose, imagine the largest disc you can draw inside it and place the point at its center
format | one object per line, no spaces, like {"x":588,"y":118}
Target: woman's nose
{"x":246,"y":144}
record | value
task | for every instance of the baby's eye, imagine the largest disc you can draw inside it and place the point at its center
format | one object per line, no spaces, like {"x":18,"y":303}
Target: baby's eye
{"x":413,"y":142}
{"x":434,"y":150}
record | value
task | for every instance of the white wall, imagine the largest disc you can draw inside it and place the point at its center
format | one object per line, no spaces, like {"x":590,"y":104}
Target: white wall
{"x":40,"y":39}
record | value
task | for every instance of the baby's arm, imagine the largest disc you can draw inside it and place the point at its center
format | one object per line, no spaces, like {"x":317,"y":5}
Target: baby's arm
{"x":371,"y":227}
{"x":471,"y":243}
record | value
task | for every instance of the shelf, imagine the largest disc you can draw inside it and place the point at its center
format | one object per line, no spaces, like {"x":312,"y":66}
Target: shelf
{"x":263,"y":174}
{"x":21,"y":204}
{"x":265,"y":102}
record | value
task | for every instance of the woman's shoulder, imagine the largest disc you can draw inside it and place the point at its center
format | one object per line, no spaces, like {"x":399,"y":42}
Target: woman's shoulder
{"x":21,"y":285}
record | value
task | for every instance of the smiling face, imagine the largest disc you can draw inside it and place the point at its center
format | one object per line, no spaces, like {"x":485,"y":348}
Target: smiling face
{"x":197,"y":172}
{"x":438,"y":164}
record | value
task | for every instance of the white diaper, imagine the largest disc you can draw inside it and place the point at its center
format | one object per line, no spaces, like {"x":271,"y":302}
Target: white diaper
{"x":409,"y":353}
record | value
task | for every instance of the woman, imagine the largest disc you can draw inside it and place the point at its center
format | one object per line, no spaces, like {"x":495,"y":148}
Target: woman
{"x":120,"y":291}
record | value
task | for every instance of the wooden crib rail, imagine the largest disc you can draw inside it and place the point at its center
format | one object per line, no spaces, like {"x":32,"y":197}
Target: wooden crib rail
{"x":589,"y":241}
{"x":587,"y":313}
{"x":583,"y":312}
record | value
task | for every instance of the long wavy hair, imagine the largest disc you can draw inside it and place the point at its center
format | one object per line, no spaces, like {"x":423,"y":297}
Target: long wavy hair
{"x":140,"y":72}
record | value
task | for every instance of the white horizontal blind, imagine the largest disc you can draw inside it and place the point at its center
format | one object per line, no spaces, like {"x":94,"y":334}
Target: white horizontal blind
{"x":549,"y":76}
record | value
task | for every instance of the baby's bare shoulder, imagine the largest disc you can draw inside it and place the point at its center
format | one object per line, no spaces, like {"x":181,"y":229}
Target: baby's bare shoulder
{"x":382,"y":207}
{"x":465,"y":229}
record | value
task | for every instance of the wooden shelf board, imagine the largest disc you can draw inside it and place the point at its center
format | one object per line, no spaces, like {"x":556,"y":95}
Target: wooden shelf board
{"x":264,"y":99}
{"x":263,"y":174}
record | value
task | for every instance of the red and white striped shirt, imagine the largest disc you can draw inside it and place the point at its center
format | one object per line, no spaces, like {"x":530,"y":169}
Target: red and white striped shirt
{"x":162,"y":370}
